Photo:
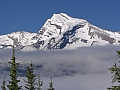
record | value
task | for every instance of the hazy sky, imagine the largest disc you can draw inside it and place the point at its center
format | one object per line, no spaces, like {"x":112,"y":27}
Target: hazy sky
{"x":30,"y":15}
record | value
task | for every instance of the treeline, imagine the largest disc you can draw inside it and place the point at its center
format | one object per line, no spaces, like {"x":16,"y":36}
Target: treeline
{"x":32,"y":81}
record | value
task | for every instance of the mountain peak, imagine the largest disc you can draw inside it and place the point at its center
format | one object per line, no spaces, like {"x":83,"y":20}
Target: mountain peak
{"x":61,"y":15}
{"x":62,"y":32}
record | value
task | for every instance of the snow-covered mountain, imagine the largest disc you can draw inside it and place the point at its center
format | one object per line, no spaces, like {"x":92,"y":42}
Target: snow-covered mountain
{"x":62,"y":32}
{"x":20,"y":39}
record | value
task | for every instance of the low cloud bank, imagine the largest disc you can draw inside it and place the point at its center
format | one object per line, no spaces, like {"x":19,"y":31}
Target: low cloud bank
{"x":65,"y":62}
{"x":86,"y":66}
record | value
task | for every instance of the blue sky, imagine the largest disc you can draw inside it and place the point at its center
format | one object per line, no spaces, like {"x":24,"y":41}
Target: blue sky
{"x":30,"y":15}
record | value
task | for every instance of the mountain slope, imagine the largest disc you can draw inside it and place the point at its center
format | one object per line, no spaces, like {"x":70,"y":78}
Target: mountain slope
{"x":62,"y":32}
{"x":20,"y":39}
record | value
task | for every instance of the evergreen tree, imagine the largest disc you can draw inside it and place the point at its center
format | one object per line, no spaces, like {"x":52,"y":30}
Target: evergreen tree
{"x":39,"y":83}
{"x":3,"y":86}
{"x":30,"y":83}
{"x":118,"y":52}
{"x":13,"y":83}
{"x":51,"y":85}
{"x":115,"y":70}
